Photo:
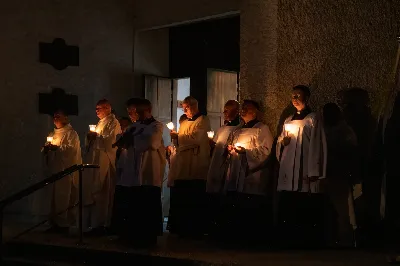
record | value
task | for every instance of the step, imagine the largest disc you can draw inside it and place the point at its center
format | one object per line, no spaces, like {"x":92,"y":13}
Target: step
{"x":20,"y":253}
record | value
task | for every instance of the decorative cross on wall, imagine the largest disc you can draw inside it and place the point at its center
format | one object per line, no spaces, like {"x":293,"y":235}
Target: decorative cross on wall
{"x":58,"y":54}
{"x":56,"y":100}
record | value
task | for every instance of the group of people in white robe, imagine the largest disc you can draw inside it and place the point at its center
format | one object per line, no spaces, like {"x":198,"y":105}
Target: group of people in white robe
{"x":237,"y":193}
{"x":223,"y":186}
{"x":128,"y":183}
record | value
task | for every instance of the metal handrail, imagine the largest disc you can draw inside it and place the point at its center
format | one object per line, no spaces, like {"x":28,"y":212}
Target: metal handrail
{"x":47,"y":181}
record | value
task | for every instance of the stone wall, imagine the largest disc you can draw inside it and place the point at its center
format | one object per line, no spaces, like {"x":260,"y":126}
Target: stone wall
{"x":330,"y":45}
{"x":102,"y":30}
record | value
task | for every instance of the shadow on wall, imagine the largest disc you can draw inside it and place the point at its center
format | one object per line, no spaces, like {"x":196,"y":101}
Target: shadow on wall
{"x":391,"y":152}
{"x":355,"y":103}
{"x":121,"y":83}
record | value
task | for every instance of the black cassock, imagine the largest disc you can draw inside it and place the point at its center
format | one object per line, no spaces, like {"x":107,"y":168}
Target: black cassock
{"x":137,"y":214}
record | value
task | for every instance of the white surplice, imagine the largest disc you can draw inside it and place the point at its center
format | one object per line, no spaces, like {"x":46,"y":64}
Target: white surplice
{"x":99,"y":184}
{"x":305,"y":156}
{"x":246,"y":172}
{"x":218,"y":165}
{"x":193,"y":154}
{"x":61,"y":195}
{"x":145,"y":161}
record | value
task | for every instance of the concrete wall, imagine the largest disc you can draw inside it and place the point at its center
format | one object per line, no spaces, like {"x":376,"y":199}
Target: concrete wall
{"x":331,"y":45}
{"x":102,"y":30}
{"x":151,"y":56}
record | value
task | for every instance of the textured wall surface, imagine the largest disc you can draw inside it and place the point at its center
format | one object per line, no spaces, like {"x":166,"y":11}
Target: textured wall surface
{"x":330,"y":45}
{"x":156,"y":13}
{"x":258,"y":55}
{"x":102,"y":30}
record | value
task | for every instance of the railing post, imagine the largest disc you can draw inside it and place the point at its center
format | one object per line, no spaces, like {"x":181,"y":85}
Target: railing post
{"x":80,"y":206}
{"x":1,"y":234}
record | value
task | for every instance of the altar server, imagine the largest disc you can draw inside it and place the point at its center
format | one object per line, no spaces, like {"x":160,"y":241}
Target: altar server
{"x":247,"y":175}
{"x":62,"y":150}
{"x":99,"y":184}
{"x":143,"y":174}
{"x":190,"y":170}
{"x":302,"y":153}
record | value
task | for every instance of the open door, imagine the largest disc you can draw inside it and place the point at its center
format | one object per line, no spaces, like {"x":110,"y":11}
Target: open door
{"x":158,"y":90}
{"x":221,"y":86}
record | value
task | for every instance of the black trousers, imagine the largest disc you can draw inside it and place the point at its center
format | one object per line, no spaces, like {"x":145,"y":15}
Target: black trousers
{"x":138,"y":213}
{"x":188,"y":207}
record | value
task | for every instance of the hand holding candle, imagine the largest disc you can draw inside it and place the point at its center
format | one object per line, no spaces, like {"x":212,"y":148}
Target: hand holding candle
{"x":210,"y":134}
{"x":291,"y":129}
{"x":239,"y":148}
{"x":92,"y":134}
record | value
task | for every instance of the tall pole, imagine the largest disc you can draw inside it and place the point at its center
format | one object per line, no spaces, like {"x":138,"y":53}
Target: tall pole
{"x":80,"y":206}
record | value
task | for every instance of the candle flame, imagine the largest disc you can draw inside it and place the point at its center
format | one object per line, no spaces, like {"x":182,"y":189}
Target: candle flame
{"x":49,"y":139}
{"x":237,"y":145}
{"x":210,"y":134}
{"x":92,"y":128}
{"x":170,"y":126}
{"x":290,"y":128}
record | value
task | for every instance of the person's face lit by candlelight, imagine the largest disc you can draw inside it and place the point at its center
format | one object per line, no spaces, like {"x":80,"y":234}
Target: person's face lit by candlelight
{"x":132,"y":113}
{"x":103,"y":109}
{"x":190,"y":107}
{"x":231,"y":110}
{"x":187,"y":111}
{"x":131,"y":108}
{"x":300,"y":97}
{"x":248,"y":112}
{"x":60,"y":119}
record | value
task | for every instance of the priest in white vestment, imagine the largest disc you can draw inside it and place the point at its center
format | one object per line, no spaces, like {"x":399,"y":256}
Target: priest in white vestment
{"x":190,"y":170}
{"x":302,"y":155}
{"x":342,"y":150}
{"x":218,"y":165}
{"x":61,"y":151}
{"x":99,"y":184}
{"x":142,"y":176}
{"x":247,"y":176}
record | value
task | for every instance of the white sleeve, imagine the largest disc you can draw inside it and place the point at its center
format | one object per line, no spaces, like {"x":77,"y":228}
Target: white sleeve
{"x":258,"y":155}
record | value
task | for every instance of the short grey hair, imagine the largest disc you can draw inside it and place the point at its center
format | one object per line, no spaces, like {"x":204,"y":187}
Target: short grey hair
{"x":191,"y":101}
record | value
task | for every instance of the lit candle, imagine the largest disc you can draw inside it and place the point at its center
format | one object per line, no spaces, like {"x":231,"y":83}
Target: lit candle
{"x":237,"y":145}
{"x":49,"y":139}
{"x":290,"y":128}
{"x":92,"y":128}
{"x":170,"y":126}
{"x":210,"y":134}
